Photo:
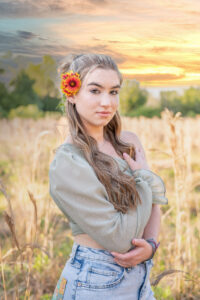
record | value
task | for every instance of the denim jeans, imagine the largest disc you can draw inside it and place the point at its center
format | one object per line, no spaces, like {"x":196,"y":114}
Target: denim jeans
{"x":92,"y":274}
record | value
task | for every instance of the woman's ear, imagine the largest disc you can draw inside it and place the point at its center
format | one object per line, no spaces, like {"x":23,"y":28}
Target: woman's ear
{"x":71,"y":99}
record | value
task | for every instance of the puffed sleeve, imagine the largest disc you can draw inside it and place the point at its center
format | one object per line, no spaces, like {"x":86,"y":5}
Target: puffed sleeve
{"x":155,"y":182}
{"x":76,"y":190}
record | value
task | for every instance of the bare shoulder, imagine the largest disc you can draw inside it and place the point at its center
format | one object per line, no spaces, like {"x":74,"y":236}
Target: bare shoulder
{"x":131,"y":137}
{"x":68,"y":139}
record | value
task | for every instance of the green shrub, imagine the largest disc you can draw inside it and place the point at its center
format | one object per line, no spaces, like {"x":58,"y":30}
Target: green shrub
{"x":162,"y":293}
{"x":29,"y":111}
{"x":146,"y":111}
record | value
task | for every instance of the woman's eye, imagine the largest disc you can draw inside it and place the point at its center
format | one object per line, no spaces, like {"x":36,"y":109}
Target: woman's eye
{"x":115,"y":92}
{"x":93,"y":91}
{"x":112,"y":92}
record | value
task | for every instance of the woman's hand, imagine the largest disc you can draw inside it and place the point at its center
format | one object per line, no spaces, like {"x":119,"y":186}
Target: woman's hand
{"x":140,"y":161}
{"x":141,"y":252}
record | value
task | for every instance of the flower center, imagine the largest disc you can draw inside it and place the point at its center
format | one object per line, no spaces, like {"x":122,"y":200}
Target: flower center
{"x":72,"y":83}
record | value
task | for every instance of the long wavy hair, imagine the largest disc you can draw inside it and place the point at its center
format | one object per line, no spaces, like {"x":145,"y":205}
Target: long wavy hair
{"x":121,"y":188}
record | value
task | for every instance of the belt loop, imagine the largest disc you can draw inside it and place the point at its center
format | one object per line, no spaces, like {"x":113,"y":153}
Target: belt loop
{"x":74,"y":250}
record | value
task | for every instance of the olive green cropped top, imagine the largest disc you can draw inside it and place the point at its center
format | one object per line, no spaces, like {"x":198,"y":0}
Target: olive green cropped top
{"x":83,"y":199}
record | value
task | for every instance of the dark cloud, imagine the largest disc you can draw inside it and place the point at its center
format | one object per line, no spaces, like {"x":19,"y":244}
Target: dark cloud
{"x":27,"y":35}
{"x":16,"y":9}
{"x":56,"y":7}
{"x":32,"y":8}
{"x":21,"y":43}
{"x":8,"y":40}
{"x":29,"y":44}
{"x":42,"y":38}
{"x":47,"y":8}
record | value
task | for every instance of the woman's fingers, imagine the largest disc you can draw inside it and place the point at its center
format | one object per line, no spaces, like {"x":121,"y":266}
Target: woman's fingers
{"x":129,"y":160}
{"x":127,"y":157}
{"x":122,"y":264}
{"x":139,"y":154}
{"x":124,"y":256}
{"x":128,"y":258}
{"x":126,"y":265}
{"x":139,"y":159}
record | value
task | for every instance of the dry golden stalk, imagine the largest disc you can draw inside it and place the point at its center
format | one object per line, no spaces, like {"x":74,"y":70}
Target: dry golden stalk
{"x":3,"y":190}
{"x":11,"y":226}
{"x":35,"y":214}
{"x":3,"y":277}
{"x":183,"y":181}
{"x":155,"y":281}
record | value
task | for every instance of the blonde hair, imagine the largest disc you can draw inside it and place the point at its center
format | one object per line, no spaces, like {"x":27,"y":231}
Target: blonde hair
{"x":120,"y":187}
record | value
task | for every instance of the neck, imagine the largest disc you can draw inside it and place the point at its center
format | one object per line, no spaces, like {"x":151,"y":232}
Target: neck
{"x":99,"y":135}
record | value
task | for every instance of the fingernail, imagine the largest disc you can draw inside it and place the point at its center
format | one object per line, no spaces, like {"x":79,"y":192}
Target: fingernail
{"x":125,"y":154}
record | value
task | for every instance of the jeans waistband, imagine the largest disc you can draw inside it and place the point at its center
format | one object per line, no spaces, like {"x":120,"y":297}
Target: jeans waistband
{"x":92,"y":253}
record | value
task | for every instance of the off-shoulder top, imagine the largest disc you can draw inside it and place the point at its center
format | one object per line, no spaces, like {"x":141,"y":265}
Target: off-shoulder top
{"x":77,"y":191}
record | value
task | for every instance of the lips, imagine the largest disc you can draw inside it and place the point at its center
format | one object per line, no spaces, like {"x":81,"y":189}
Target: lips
{"x":104,"y":114}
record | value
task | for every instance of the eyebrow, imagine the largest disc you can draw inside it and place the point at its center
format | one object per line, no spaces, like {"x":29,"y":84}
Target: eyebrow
{"x":97,"y":84}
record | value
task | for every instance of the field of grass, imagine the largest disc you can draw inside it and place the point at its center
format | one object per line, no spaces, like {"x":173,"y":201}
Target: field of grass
{"x":35,"y":237}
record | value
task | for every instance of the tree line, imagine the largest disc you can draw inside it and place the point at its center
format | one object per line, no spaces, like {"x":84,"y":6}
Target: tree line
{"x":33,"y":90}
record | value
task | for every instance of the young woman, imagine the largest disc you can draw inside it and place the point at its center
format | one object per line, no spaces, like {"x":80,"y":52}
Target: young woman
{"x":101,"y":181}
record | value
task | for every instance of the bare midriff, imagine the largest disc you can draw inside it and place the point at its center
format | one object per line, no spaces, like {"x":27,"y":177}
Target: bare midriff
{"x":86,"y":240}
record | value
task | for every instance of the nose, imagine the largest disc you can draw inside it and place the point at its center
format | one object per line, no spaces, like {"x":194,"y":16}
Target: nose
{"x":106,"y":100}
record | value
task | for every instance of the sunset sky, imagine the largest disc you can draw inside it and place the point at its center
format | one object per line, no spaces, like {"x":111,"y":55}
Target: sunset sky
{"x":154,"y":42}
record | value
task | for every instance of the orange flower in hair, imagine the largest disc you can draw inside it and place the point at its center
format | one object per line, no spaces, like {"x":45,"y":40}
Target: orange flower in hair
{"x":70,"y":83}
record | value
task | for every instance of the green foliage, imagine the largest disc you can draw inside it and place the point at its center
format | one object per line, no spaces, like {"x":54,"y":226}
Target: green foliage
{"x":4,"y":103}
{"x":29,"y":111}
{"x":188,"y":104}
{"x":23,"y":93}
{"x":3,"y":92}
{"x":50,"y":103}
{"x":63,"y":249}
{"x":171,"y":100}
{"x":34,"y":84}
{"x":162,"y":293}
{"x":2,"y":70}
{"x":23,"y":101}
{"x":5,"y":167}
{"x":44,"y":75}
{"x":46,"y":297}
{"x":168,"y":173}
{"x":61,"y":105}
{"x":146,"y":111}
{"x":41,"y":261}
{"x":191,"y":100}
{"x":131,"y":97}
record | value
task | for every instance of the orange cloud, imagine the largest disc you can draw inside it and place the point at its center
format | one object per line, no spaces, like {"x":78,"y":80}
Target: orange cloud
{"x":155,"y":41}
{"x":154,"y":77}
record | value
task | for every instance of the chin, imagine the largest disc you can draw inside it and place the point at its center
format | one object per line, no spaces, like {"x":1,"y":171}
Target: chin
{"x":103,"y":123}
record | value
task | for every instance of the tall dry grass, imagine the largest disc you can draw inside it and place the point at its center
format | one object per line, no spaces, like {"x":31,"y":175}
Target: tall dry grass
{"x":35,"y":237}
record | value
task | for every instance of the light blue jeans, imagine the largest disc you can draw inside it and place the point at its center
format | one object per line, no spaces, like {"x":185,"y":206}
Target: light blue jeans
{"x":92,"y":274}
